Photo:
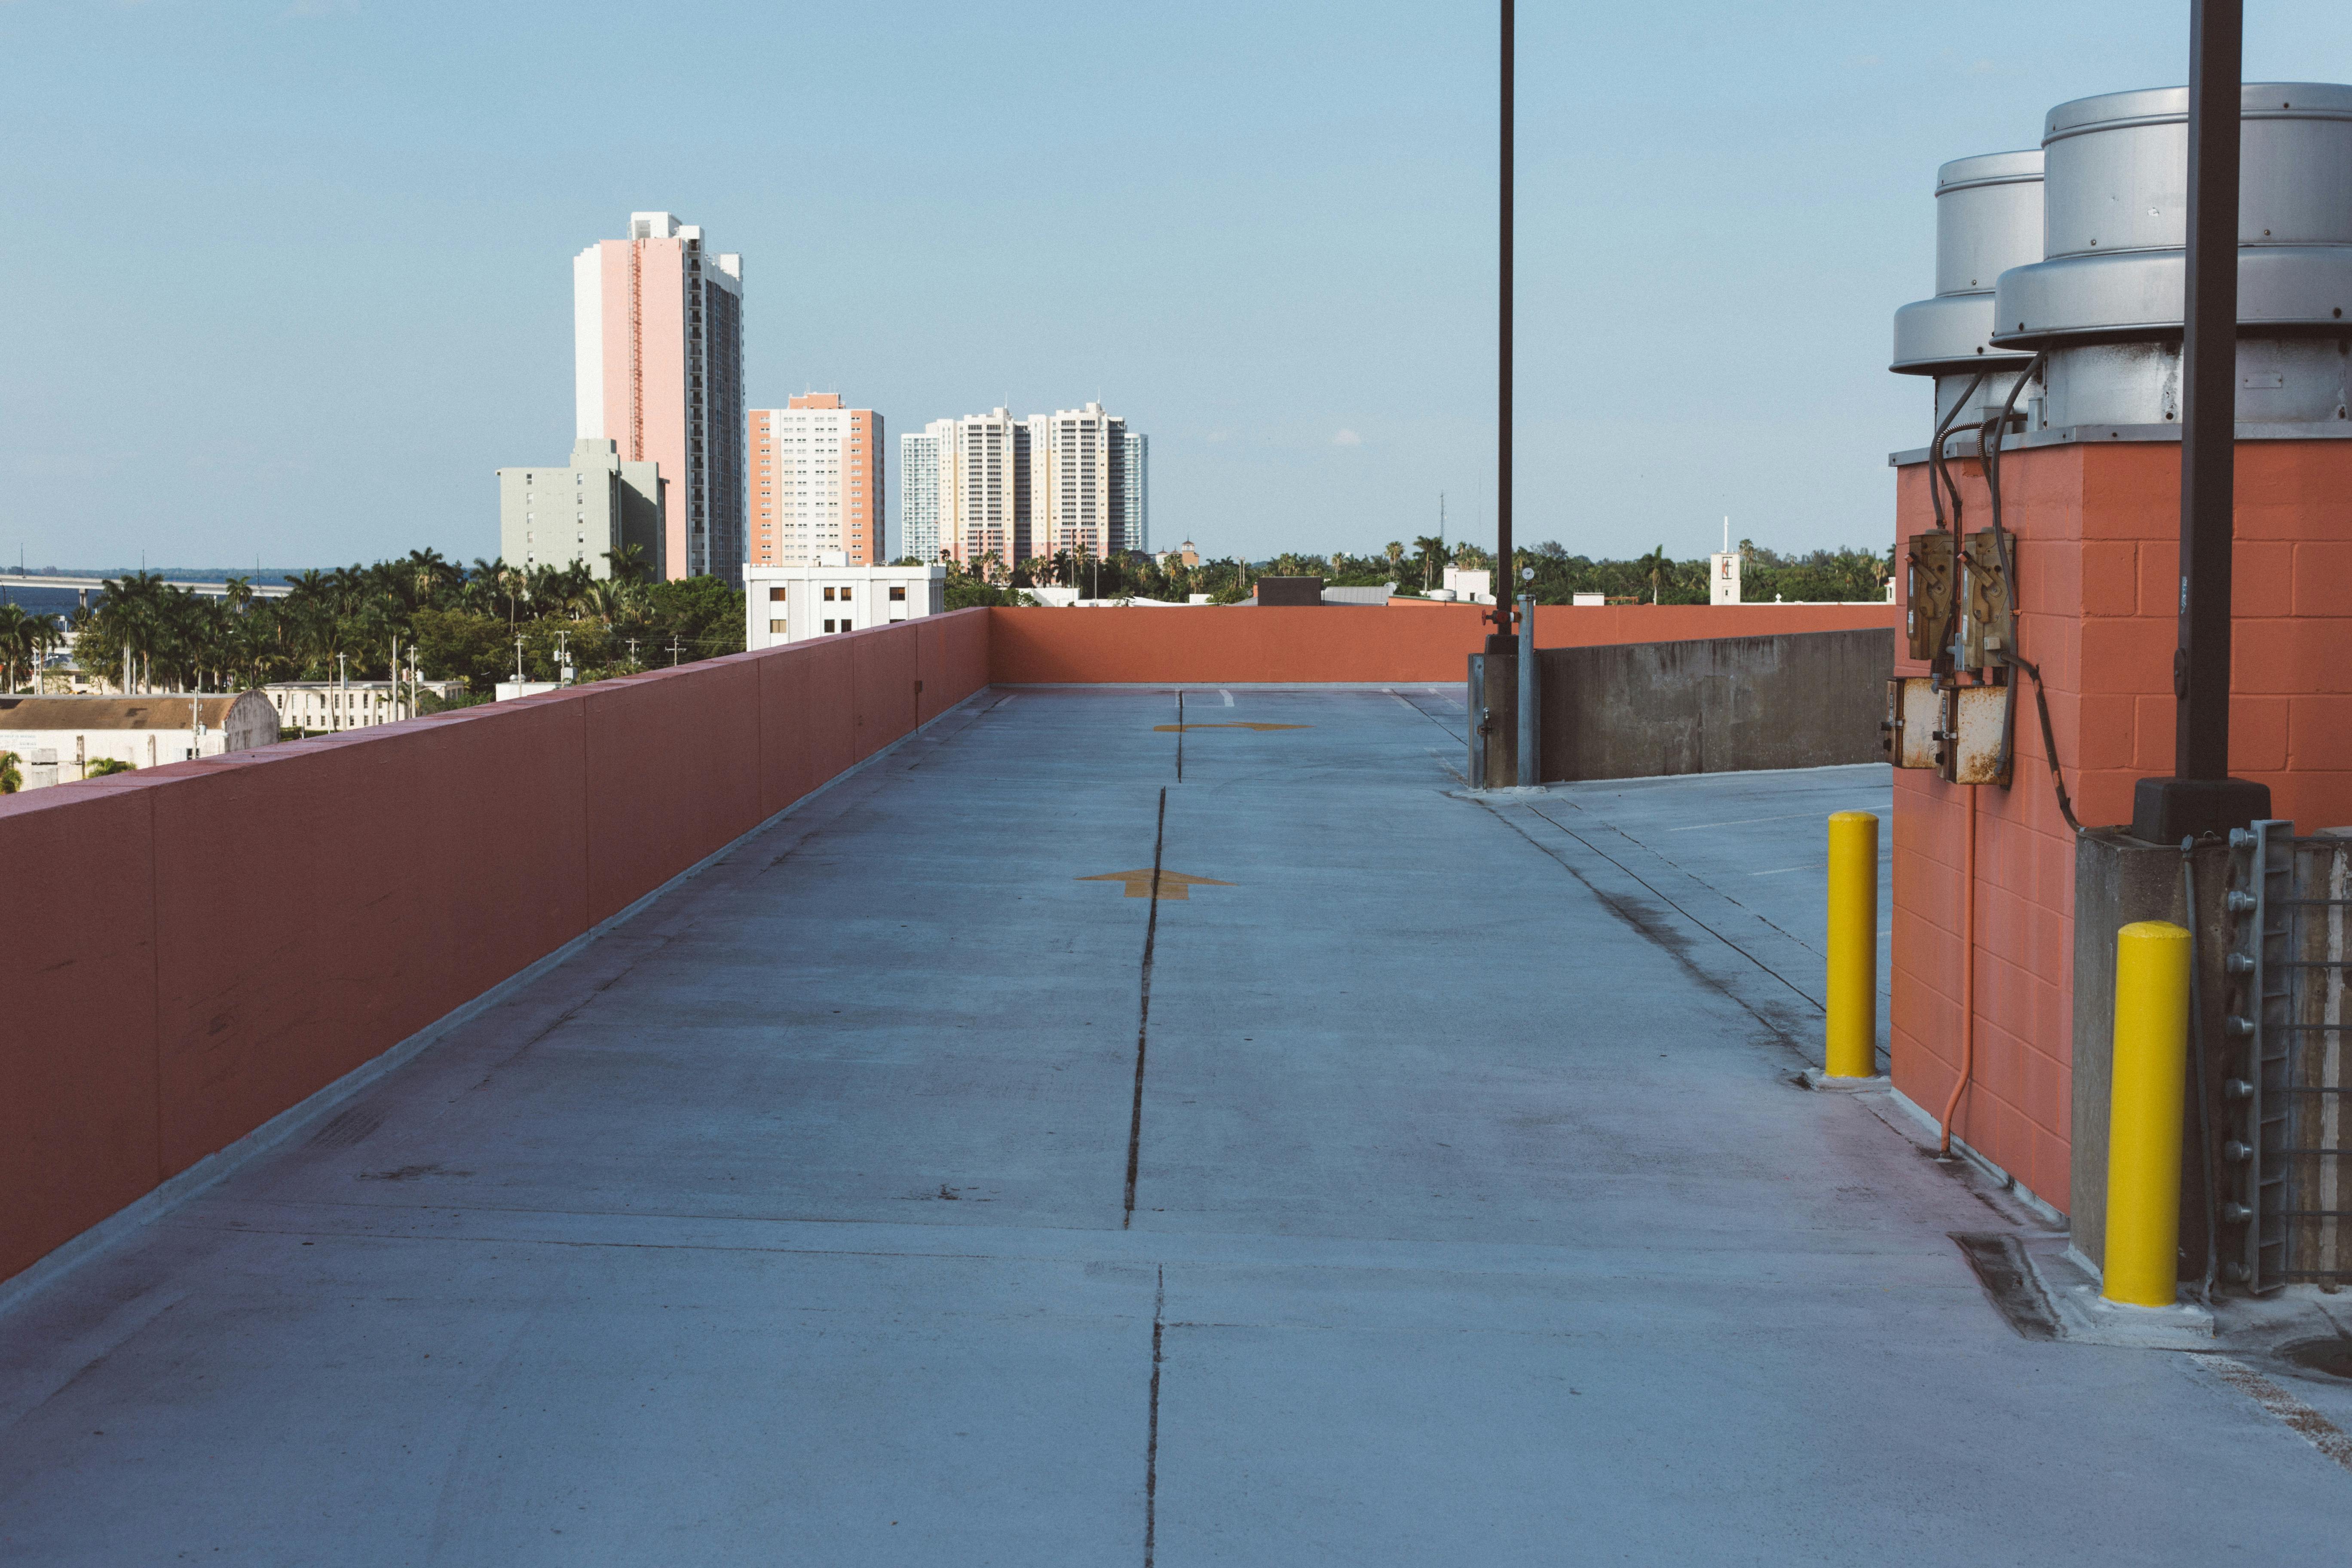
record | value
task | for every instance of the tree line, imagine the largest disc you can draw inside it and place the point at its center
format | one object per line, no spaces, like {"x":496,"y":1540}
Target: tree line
{"x":1821,"y":575}
{"x":472,"y":625}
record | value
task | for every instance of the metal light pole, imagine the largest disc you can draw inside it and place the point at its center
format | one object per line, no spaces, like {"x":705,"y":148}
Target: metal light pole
{"x":2200,"y":797}
{"x":1504,"y":574}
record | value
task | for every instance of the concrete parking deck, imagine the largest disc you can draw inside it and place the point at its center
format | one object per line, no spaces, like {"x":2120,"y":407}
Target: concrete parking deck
{"x":1453,"y":1203}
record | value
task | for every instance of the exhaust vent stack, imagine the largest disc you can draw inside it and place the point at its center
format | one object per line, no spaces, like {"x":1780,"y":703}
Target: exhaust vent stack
{"x":1987,"y":220}
{"x":2107,"y":297}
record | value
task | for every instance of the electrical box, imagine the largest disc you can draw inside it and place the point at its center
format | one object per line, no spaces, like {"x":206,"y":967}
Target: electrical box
{"x":1974,"y":738}
{"x":1914,"y":714}
{"x":1930,"y":569}
{"x":1988,"y":626}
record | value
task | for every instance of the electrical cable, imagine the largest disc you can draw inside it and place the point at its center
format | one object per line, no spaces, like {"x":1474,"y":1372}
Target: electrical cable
{"x":1937,"y":472}
{"x":2049,"y":740}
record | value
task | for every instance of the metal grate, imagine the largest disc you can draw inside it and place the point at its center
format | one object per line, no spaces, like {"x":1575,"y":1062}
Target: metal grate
{"x":2290,"y":1191}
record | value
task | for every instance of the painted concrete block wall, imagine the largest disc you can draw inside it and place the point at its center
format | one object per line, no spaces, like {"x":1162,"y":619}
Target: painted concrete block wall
{"x":214,"y":950}
{"x":2097,"y":562}
{"x":1807,"y":700}
{"x":1333,"y":643}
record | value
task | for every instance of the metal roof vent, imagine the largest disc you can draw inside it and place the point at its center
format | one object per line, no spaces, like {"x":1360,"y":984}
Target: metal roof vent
{"x":1987,"y":220}
{"x":2106,"y":301}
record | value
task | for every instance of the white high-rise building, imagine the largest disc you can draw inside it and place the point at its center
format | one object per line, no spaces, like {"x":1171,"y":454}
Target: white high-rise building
{"x":919,"y":488}
{"x":1082,"y":492}
{"x":1139,"y":492}
{"x":995,"y":487}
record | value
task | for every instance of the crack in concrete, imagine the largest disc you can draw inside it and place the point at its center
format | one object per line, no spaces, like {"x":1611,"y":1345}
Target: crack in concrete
{"x":1143,"y":1016}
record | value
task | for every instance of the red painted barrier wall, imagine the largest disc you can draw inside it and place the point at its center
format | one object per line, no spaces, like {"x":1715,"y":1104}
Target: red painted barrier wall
{"x":1332,"y":642}
{"x":219,"y":940}
{"x":2097,"y":559}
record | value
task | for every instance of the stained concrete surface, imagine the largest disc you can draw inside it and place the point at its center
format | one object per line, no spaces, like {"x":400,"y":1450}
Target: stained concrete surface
{"x":1476,"y":1216}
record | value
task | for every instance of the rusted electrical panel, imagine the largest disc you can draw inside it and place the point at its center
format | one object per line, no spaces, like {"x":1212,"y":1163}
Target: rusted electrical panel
{"x":1914,"y":714}
{"x":1928,"y":574}
{"x":1988,"y":624}
{"x":1973,"y":739}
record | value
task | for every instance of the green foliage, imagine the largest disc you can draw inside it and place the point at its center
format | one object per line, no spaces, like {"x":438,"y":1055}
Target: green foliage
{"x":11,"y":779}
{"x":104,"y":766}
{"x":463,"y":625}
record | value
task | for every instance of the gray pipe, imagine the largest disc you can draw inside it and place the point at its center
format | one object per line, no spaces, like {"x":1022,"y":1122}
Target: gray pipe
{"x":1530,"y":732}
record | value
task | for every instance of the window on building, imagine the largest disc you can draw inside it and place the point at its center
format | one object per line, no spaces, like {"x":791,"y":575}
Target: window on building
{"x":828,"y":626}
{"x":776,"y":628}
{"x":776,"y":595}
{"x":828,"y":599}
{"x":898,"y":595}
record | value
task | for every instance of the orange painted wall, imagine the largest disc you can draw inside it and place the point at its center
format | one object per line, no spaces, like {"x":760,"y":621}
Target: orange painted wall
{"x":214,"y":948}
{"x":1331,"y":643}
{"x":2097,"y":562}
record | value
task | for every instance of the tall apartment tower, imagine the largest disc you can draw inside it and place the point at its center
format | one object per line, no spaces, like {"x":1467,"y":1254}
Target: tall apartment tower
{"x":919,"y":490}
{"x":816,"y":483}
{"x":981,"y":466}
{"x":657,"y":340}
{"x":1139,"y":491}
{"x":1082,"y":492}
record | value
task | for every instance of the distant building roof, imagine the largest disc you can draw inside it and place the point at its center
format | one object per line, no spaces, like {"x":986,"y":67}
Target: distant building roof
{"x":159,"y":711}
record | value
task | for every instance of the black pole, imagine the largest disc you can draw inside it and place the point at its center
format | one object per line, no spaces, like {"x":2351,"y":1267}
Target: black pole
{"x":1505,"y":577}
{"x":2201,"y":798}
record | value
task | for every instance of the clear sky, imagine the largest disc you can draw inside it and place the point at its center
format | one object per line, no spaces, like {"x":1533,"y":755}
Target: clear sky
{"x":289,"y":280}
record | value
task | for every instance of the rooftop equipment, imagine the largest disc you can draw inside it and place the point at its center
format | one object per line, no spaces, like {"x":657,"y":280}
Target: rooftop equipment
{"x":2106,"y":300}
{"x":1987,"y":220}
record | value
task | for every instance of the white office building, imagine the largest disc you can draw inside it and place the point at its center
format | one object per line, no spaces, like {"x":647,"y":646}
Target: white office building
{"x":829,"y":596}
{"x":1081,"y":491}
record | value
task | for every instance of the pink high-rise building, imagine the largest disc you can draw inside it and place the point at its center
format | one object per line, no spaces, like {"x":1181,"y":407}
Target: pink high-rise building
{"x":657,"y":333}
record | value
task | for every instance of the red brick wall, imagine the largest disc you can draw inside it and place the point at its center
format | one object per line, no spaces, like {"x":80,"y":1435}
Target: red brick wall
{"x":2097,"y":562}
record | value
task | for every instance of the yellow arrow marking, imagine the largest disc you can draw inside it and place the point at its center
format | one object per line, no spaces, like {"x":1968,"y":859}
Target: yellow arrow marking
{"x":1172,"y":884}
{"x":1174,"y":728}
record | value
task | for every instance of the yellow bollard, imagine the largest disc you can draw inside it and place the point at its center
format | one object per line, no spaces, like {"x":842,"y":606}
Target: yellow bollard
{"x":2144,"y":1106}
{"x":1852,"y":1050}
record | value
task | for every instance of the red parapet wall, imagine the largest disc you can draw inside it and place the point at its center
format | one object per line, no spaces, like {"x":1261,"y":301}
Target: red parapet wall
{"x":2097,"y":559}
{"x":1406,"y":641}
{"x":219,"y":940}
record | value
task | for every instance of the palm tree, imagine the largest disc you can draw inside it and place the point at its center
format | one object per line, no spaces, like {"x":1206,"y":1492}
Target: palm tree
{"x":1430,"y":549}
{"x":627,"y":562}
{"x":1395,"y":553}
{"x":1655,"y":566}
{"x":15,"y":640}
{"x":11,"y":781}
{"x":102,"y":766}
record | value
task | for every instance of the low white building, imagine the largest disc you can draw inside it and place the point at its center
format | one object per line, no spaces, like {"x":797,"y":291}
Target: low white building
{"x":1473,"y":586}
{"x":793,"y":603}
{"x":325,"y":707}
{"x":56,"y":739}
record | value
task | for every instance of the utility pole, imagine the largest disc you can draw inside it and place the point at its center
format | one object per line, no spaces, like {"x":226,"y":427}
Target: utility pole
{"x":517,"y":658}
{"x":2201,"y":797}
{"x":1501,"y":641}
{"x":675,"y":649}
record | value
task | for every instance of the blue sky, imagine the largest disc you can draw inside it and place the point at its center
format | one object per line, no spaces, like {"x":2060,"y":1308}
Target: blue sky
{"x":290,"y":281}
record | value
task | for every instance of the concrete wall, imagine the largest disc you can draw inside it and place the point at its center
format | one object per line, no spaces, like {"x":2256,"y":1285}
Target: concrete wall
{"x":1807,"y":700}
{"x":1416,"y":642}
{"x":179,"y":991}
